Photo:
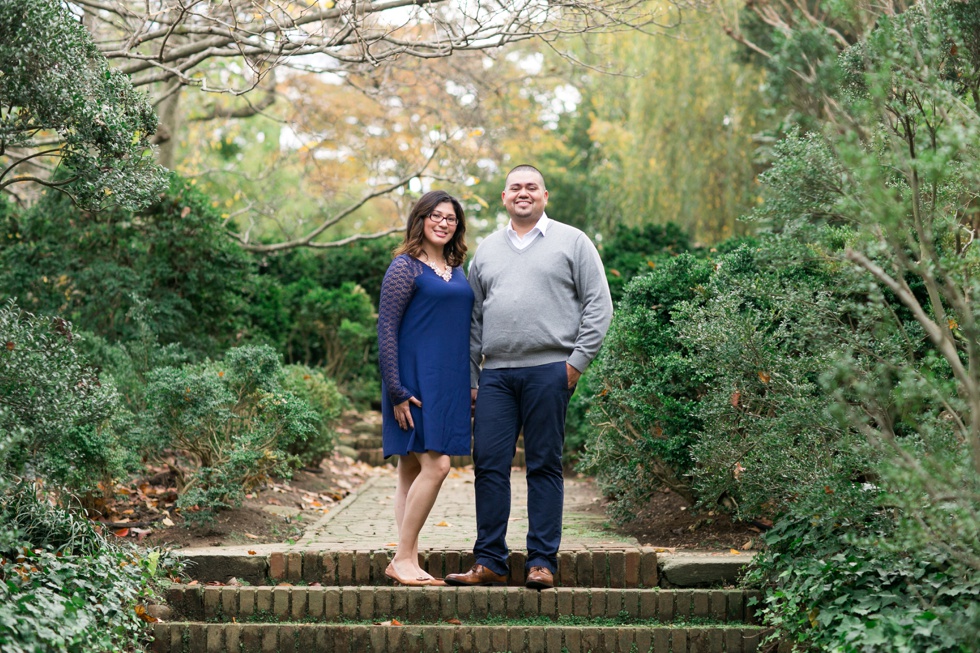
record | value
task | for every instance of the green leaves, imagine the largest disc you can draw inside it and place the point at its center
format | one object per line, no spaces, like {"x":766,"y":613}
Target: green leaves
{"x":229,"y":422}
{"x":55,"y":80}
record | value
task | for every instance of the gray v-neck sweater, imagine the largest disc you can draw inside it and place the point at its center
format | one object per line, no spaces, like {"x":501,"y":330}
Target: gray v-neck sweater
{"x":546,"y":303}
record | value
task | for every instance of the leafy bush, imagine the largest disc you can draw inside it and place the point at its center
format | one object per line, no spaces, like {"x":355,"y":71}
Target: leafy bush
{"x":635,"y":250}
{"x":840,"y":580}
{"x":776,"y":320}
{"x":173,"y":258}
{"x":56,"y":401}
{"x":326,"y":401}
{"x":64,"y":587}
{"x":231,"y":423}
{"x":335,"y":328}
{"x":364,"y":263}
{"x":644,"y":411}
{"x":711,"y":379}
{"x":318,"y":307}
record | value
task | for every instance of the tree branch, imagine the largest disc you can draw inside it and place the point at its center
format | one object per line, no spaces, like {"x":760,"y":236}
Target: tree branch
{"x":307,"y":240}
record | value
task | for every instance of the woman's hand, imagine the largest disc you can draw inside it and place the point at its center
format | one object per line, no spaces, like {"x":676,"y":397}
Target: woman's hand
{"x":403,"y":414}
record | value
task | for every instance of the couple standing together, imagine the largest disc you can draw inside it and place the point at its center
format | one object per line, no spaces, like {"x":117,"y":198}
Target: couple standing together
{"x":509,"y":343}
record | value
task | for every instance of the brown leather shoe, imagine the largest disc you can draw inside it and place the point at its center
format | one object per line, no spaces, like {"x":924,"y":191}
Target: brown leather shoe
{"x":477,"y":576}
{"x":540,"y":578}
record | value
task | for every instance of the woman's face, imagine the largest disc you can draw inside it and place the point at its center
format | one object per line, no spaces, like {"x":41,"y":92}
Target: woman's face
{"x":437,"y":230}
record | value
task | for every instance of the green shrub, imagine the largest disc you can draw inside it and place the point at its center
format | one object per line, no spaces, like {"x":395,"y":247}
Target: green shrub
{"x":231,"y":423}
{"x":837,"y":578}
{"x":647,"y":388}
{"x":173,"y":257}
{"x":711,"y":379}
{"x":335,"y":328}
{"x":325,"y":399}
{"x":776,"y":320}
{"x":56,"y":401}
{"x":631,"y":251}
{"x":364,"y":263}
{"x":64,"y":587}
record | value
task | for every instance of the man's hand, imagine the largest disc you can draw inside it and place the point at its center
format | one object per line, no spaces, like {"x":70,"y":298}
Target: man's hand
{"x":472,"y":401}
{"x":573,"y":375}
{"x":403,"y":414}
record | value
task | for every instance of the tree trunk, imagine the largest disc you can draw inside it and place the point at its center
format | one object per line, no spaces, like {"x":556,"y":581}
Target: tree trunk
{"x":166,"y":136}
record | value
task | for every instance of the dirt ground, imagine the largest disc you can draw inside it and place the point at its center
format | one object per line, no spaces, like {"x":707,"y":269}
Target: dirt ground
{"x":144,"y":511}
{"x":668,"y":521}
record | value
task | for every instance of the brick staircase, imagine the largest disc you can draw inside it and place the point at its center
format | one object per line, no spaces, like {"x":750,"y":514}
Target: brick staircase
{"x":607,"y":600}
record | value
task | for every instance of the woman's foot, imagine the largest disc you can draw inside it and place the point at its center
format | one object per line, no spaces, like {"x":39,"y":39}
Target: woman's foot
{"x":409,"y":576}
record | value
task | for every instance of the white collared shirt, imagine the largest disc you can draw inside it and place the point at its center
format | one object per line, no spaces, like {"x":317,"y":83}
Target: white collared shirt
{"x":539,"y":229}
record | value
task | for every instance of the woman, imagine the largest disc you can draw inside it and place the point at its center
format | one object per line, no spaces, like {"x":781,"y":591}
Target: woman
{"x":423,"y":345}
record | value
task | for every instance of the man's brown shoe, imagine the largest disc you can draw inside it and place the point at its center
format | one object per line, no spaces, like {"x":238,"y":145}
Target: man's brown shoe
{"x":478,"y":575}
{"x":540,"y":578}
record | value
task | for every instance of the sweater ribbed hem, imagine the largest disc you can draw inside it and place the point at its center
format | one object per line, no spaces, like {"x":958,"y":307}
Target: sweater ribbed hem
{"x":526,"y":360}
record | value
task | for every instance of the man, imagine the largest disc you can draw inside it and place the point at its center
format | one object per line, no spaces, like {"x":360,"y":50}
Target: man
{"x":542,"y":309}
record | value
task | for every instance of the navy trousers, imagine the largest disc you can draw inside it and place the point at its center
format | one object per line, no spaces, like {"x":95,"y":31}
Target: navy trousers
{"x":534,"y":399}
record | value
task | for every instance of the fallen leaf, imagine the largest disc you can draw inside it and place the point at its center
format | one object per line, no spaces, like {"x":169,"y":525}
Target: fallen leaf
{"x":392,"y":544}
{"x":141,"y":613}
{"x":167,"y":521}
{"x":734,"y":552}
{"x":455,"y":622}
{"x":738,"y":470}
{"x":121,"y":532}
{"x":251,"y":553}
{"x":251,"y":537}
{"x":395,"y":622}
{"x":735,"y":397}
{"x":443,"y":523}
{"x":193,"y":582}
{"x":748,"y":545}
{"x":764,"y":376}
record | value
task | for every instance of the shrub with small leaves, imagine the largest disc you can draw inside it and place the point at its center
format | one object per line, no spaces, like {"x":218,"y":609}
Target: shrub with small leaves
{"x":50,"y":393}
{"x":230,"y":423}
{"x":326,"y":400}
{"x":56,"y":80}
{"x":647,"y":385}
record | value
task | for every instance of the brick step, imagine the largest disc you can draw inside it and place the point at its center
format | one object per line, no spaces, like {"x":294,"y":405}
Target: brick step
{"x":437,"y":604}
{"x":617,"y":568}
{"x":353,"y":638}
{"x":361,"y":441}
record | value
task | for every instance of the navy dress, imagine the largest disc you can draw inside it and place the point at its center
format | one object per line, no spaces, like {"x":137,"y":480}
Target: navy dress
{"x":424,"y":352}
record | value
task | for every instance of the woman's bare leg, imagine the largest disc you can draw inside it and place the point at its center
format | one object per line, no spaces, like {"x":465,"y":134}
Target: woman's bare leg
{"x":408,"y":469}
{"x":418,"y":502}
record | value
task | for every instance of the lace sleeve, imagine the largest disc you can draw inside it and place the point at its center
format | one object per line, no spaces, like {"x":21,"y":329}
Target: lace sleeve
{"x":397,"y":291}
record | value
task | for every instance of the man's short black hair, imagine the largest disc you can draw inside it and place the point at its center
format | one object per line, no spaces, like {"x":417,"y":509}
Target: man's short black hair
{"x":525,"y":167}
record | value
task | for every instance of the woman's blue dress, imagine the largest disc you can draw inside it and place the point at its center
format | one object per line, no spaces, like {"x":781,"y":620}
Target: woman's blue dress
{"x":424,"y":352}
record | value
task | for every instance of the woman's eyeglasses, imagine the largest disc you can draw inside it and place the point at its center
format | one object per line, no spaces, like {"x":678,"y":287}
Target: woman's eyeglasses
{"x":436,"y":218}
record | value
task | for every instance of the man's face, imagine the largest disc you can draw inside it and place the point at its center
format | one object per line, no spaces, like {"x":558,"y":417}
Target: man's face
{"x":524,"y":195}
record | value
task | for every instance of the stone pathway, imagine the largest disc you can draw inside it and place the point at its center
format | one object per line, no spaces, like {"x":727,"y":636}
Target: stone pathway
{"x":366,"y":519}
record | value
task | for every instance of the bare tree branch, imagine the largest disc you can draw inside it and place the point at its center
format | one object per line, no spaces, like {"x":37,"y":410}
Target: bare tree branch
{"x":308,"y":239}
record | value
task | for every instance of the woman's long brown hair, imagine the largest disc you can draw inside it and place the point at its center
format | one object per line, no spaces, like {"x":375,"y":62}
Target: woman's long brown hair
{"x":455,"y":249}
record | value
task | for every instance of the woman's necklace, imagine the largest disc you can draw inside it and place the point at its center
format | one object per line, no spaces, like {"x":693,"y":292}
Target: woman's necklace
{"x":446,"y":274}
